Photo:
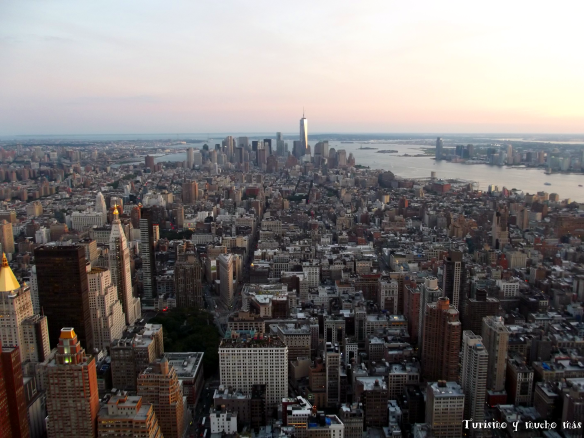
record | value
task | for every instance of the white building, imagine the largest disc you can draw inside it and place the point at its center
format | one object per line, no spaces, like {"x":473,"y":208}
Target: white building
{"x":225,"y":265}
{"x":473,"y":377}
{"x":223,"y":422}
{"x":119,"y":264}
{"x":42,"y":235}
{"x":509,"y":289}
{"x":100,"y":206}
{"x":15,"y":308}
{"x":445,"y":409}
{"x":388,"y":294}
{"x":86,"y":219}
{"x":259,"y":360}
{"x":107,"y":317}
{"x":496,"y":339}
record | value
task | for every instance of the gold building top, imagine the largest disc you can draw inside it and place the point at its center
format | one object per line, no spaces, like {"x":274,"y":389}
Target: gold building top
{"x":8,"y":281}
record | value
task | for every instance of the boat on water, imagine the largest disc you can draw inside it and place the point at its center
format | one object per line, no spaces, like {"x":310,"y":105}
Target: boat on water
{"x":579,"y":185}
{"x":547,"y":184}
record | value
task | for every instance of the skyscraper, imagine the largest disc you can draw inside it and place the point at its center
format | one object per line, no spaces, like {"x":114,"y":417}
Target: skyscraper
{"x":473,"y":375}
{"x":255,"y":361}
{"x":12,"y":385}
{"x":333,"y":375}
{"x":121,"y":273}
{"x":188,"y":288}
{"x":500,"y":228}
{"x":107,"y":317}
{"x":430,"y":294}
{"x":5,"y":428}
{"x":441,"y":343}
{"x":454,"y":277}
{"x":190,"y":192}
{"x":147,"y":254}
{"x":496,"y":340}
{"x":149,"y":162}
{"x":226,"y":262}
{"x":190,"y":158}
{"x":15,"y":307}
{"x":304,"y":133}
{"x":229,"y":146}
{"x":64,"y":290}
{"x":100,"y":206}
{"x":445,"y":409}
{"x":243,"y":142}
{"x":159,"y":385}
{"x":6,"y":237}
{"x":72,"y":395}
{"x":439,"y":148}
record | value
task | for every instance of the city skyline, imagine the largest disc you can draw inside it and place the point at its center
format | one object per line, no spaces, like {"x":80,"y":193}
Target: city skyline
{"x":380,"y":67}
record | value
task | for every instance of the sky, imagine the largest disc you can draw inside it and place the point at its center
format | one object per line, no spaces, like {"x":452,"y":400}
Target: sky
{"x":142,"y":66}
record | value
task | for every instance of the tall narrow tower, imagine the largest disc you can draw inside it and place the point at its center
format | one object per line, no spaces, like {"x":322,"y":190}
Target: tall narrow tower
{"x":473,"y":375}
{"x":100,"y":206}
{"x":304,"y":133}
{"x":64,"y":268}
{"x":119,"y":264}
{"x":441,"y":344}
{"x":72,"y":396}
{"x":147,"y":254}
{"x":496,"y":339}
{"x":454,"y":278}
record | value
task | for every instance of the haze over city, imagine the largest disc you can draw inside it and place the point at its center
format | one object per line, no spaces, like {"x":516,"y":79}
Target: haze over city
{"x":133,"y":67}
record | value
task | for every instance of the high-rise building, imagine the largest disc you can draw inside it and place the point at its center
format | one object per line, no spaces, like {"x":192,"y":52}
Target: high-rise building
{"x":72,"y":394}
{"x":500,"y":228}
{"x":12,"y":395}
{"x":190,"y":158}
{"x":371,"y":392}
{"x":445,"y":409}
{"x":496,"y":339}
{"x":190,"y":192}
{"x":333,"y":375}
{"x":100,"y":206}
{"x":229,"y":146}
{"x":159,"y":385}
{"x":296,"y":339}
{"x":6,"y":237}
{"x":454,"y":278}
{"x":441,"y":343}
{"x":430,"y":293}
{"x":261,"y":360}
{"x":64,"y":268}
{"x":149,"y":162}
{"x":132,"y":354}
{"x":147,"y":255}
{"x":226,"y":269}
{"x":243,"y":142}
{"x":125,"y":415}
{"x":107,"y":316}
{"x":439,"y":148}
{"x":303,"y":133}
{"x":476,"y":308}
{"x":36,"y":347}
{"x":15,"y":307}
{"x":5,"y":427}
{"x":188,"y":288}
{"x":519,"y":380}
{"x":121,"y":273}
{"x":473,"y":375}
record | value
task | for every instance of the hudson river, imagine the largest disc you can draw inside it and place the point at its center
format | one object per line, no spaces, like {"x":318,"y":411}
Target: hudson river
{"x":526,"y":180}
